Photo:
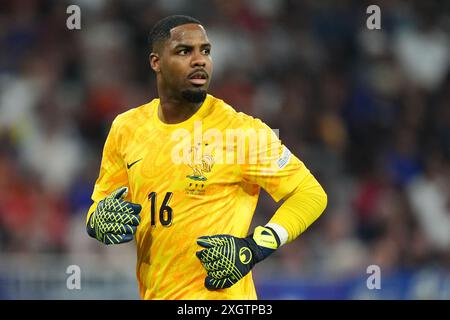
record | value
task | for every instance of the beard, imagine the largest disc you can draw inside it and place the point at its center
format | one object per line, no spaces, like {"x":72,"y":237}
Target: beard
{"x":194,"y":96}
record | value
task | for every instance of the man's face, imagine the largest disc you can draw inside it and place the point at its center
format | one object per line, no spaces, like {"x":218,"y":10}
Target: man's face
{"x":185,"y":63}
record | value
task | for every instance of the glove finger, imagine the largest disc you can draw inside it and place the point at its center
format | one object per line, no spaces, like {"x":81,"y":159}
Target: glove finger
{"x":130,"y":229}
{"x":231,"y":275}
{"x":212,"y":241}
{"x":90,"y":227}
{"x":120,"y":193}
{"x":122,"y":218}
{"x":204,"y":242}
{"x":215,"y":284}
{"x":212,"y":284}
{"x":207,"y":255}
{"x":118,"y":228}
{"x":215,"y":269}
{"x":119,"y":205}
{"x":128,"y":207}
{"x":131,"y":219}
{"x":111,"y":238}
{"x":135,"y":207}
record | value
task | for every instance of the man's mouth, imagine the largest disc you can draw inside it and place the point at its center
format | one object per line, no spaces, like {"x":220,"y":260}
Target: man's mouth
{"x":198,"y":78}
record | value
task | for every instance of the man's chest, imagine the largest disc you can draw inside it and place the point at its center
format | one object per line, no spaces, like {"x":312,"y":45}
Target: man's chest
{"x":157,"y":162}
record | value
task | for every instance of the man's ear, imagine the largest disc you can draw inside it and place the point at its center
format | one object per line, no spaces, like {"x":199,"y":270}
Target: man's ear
{"x":154,"y":62}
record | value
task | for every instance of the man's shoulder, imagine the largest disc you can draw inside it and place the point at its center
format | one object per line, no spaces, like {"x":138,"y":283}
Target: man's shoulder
{"x":134,"y":116}
{"x":228,"y":112}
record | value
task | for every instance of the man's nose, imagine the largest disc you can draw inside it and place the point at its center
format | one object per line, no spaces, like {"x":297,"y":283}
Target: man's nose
{"x":198,"y":59}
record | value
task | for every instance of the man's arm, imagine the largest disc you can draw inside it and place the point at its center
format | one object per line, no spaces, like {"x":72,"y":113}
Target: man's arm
{"x":112,"y":174}
{"x":227,"y":258}
{"x":111,"y":219}
{"x":300,"y":209}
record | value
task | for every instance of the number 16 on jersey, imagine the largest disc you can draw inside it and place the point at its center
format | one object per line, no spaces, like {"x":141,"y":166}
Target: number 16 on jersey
{"x":165,"y":212}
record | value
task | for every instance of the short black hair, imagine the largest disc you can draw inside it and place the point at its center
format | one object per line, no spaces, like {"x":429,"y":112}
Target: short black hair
{"x":161,"y":29}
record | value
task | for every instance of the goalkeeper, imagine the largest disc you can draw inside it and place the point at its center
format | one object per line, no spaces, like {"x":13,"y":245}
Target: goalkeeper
{"x":191,"y":217}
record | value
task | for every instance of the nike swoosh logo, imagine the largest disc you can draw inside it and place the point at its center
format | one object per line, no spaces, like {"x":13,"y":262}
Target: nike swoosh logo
{"x":132,"y":164}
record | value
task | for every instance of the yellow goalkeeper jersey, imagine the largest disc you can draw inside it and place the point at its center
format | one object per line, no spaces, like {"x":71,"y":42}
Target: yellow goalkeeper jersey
{"x":198,"y":177}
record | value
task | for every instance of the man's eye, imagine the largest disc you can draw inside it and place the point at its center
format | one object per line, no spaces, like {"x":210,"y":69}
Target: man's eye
{"x":183,"y":52}
{"x":206,"y":51}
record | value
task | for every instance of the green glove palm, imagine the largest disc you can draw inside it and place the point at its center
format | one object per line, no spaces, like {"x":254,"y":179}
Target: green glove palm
{"x":114,"y":220}
{"x":227,"y":259}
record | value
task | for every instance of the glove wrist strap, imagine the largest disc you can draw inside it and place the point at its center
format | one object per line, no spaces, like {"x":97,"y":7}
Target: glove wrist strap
{"x":263,"y":242}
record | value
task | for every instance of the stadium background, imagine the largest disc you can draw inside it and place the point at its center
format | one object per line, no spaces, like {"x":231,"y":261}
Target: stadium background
{"x":367,"y":110}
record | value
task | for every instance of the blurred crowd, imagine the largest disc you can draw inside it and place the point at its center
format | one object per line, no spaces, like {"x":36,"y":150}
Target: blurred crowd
{"x":368,"y":111}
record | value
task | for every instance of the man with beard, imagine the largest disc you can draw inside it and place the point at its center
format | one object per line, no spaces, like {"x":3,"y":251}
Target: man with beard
{"x":183,"y":173}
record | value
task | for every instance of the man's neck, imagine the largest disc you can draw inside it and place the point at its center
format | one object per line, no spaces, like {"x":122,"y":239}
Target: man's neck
{"x":176,"y":111}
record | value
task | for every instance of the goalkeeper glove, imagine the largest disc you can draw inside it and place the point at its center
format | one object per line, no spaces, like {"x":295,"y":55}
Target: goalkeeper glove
{"x":114,"y":220}
{"x":227,"y":259}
